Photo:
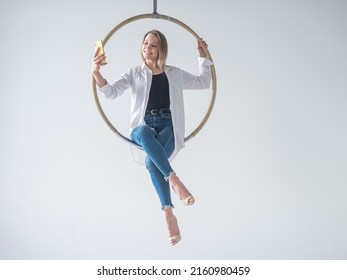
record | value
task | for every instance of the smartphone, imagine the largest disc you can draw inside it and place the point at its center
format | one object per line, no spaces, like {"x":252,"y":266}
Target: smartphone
{"x":98,"y":45}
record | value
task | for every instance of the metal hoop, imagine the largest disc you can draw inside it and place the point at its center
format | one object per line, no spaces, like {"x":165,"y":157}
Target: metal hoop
{"x":186,"y":27}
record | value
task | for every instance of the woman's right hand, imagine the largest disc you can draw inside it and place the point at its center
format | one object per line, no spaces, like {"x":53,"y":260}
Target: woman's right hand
{"x":98,"y":61}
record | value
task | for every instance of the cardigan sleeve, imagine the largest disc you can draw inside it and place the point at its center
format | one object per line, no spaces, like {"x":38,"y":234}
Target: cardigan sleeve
{"x":201,"y":81}
{"x":117,"y":88}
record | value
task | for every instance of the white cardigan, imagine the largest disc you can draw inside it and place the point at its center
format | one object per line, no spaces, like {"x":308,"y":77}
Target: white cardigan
{"x":139,"y":79}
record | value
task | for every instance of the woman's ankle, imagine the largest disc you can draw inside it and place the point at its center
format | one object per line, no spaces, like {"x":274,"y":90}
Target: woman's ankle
{"x":170,"y":176}
{"x":168,"y":211}
{"x":173,"y":179}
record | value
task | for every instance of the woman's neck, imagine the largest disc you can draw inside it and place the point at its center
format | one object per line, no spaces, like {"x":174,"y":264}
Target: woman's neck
{"x":152,"y":65}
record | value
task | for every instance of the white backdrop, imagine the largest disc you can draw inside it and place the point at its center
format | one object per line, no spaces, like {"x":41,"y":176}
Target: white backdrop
{"x":268,"y":170}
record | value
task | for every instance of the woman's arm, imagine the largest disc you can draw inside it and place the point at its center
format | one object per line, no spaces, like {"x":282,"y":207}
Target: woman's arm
{"x":109,"y":91}
{"x":203,"y":80}
{"x":97,"y":63}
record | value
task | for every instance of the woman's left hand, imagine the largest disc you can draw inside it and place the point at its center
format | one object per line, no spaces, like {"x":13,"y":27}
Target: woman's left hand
{"x":201,"y":43}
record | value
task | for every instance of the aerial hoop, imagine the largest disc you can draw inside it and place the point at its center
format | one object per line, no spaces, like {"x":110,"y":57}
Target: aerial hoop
{"x":186,"y":27}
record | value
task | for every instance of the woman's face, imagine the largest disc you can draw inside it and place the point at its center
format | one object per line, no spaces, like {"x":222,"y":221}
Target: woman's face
{"x":150,"y":49}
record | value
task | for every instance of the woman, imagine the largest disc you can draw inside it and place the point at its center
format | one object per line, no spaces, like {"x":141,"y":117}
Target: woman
{"x":157,"y":114}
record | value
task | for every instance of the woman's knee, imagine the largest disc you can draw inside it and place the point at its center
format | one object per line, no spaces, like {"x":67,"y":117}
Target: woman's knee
{"x":142,"y":131}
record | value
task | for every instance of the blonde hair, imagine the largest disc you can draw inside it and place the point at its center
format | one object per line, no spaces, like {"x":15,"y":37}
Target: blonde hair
{"x":162,"y":47}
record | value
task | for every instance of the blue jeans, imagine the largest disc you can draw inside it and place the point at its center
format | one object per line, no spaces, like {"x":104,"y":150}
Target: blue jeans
{"x":157,"y":140}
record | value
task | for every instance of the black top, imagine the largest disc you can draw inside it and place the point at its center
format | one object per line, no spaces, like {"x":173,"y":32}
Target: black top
{"x":159,"y":94}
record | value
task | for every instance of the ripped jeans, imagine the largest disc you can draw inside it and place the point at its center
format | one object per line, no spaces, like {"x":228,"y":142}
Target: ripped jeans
{"x":157,"y":140}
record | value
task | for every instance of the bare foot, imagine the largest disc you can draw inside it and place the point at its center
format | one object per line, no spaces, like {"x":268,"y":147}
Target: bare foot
{"x":172,"y":226}
{"x":181,"y":191}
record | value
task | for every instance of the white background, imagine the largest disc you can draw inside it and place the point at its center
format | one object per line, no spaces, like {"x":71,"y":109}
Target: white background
{"x":268,"y":170}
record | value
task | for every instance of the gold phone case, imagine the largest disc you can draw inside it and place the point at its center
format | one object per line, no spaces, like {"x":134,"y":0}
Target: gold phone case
{"x":99,"y":45}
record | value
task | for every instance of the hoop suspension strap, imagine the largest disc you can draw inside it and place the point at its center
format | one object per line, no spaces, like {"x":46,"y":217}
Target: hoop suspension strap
{"x":155,"y":13}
